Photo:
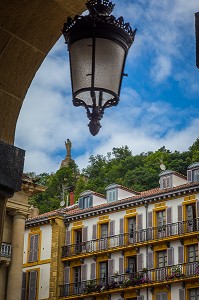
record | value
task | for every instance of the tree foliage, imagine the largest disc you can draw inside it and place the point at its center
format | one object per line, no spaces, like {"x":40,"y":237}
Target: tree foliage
{"x":138,"y":172}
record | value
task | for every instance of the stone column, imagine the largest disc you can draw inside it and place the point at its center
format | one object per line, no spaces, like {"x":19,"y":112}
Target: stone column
{"x":15,"y":270}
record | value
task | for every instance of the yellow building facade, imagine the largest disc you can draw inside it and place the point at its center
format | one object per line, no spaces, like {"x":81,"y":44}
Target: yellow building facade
{"x":126,"y":245}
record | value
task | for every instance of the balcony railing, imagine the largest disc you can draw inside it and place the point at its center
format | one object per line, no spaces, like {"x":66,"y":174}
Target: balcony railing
{"x":6,"y":250}
{"x":124,"y":240}
{"x":149,"y":277}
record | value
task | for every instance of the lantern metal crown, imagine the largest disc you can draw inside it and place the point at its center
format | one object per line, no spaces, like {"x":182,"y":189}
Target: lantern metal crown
{"x":98,"y":44}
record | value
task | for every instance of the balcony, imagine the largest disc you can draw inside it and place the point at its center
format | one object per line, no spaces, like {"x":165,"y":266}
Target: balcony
{"x":150,"y":235}
{"x":5,"y":253}
{"x":117,"y":283}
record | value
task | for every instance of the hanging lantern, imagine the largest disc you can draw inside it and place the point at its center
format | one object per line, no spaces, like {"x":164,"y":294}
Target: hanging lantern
{"x":98,"y":44}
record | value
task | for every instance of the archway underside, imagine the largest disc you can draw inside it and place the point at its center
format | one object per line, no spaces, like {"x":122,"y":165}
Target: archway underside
{"x":28,"y":30}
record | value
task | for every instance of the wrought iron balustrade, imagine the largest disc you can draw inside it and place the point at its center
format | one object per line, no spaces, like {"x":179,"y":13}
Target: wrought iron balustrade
{"x":6,"y":250}
{"x":140,"y":236}
{"x":138,"y":279}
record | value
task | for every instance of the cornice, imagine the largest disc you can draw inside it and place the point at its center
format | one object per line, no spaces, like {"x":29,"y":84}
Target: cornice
{"x":132,"y":202}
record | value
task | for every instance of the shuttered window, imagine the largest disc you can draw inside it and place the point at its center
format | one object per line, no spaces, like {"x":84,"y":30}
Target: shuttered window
{"x":170,"y":256}
{"x":121,"y":265}
{"x":29,"y":285}
{"x":110,"y":267}
{"x":85,"y":234}
{"x":112,"y":227}
{"x":32,"y":291}
{"x":23,"y":291}
{"x":94,"y":235}
{"x":139,"y":262}
{"x":180,"y":254}
{"x":150,"y":259}
{"x":34,"y":248}
{"x":68,"y":237}
{"x":182,"y":294}
{"x":93,"y":270}
{"x":84,"y":272}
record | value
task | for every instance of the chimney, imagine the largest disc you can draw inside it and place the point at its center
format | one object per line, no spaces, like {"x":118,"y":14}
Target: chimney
{"x":72,"y":198}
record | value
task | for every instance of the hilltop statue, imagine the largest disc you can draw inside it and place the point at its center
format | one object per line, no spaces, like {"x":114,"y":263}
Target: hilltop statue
{"x":68,"y":145}
{"x":65,"y":162}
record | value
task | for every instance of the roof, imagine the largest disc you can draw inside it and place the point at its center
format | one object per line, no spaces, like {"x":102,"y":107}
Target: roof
{"x":142,"y":196}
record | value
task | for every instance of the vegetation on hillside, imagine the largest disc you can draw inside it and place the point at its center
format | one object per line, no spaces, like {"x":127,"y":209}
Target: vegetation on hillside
{"x":138,"y":172}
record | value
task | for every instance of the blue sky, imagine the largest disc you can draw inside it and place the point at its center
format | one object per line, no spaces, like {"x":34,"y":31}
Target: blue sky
{"x":158,"y":103}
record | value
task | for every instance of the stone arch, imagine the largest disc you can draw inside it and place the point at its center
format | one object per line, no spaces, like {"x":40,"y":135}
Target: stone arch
{"x":28,"y":30}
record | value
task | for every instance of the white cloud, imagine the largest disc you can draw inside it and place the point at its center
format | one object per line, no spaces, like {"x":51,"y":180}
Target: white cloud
{"x":161,"y":69}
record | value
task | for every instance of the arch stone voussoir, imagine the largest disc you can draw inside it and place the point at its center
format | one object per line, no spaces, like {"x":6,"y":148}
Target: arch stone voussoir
{"x":28,"y":30}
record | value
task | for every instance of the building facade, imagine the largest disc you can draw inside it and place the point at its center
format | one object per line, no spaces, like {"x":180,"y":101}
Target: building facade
{"x":129,"y":245}
{"x":11,"y":252}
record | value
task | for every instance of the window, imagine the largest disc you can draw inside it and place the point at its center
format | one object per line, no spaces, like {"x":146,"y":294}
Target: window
{"x":196,"y":175}
{"x":29,"y":285}
{"x":112,"y":195}
{"x":166,"y":182}
{"x":192,"y":259}
{"x":86,"y":202}
{"x":192,"y":252}
{"x":161,"y":296}
{"x":104,"y":230}
{"x":132,"y":264}
{"x":194,"y":294}
{"x":34,"y":248}
{"x":132,"y":229}
{"x":78,"y":241}
{"x":77,"y":280}
{"x":161,"y":259}
{"x":161,"y":222}
{"x":103,"y":272}
{"x":191,"y":217}
{"x":103,"y":243}
{"x":161,"y":264}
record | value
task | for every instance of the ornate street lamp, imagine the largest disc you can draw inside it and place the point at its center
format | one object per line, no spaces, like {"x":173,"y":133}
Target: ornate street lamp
{"x":98,"y":44}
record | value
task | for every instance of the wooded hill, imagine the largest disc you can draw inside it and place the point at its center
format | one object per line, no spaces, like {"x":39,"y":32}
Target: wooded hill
{"x":138,"y":172}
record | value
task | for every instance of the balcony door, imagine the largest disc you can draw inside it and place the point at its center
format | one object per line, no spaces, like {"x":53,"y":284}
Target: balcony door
{"x":132,"y":230}
{"x":132,"y":264}
{"x":77,"y":280}
{"x":103,"y":243}
{"x":161,"y":265}
{"x":78,"y":241}
{"x":194,"y":294}
{"x":161,"y":223}
{"x":192,"y":259}
{"x":103,"y":272}
{"x":191,"y":217}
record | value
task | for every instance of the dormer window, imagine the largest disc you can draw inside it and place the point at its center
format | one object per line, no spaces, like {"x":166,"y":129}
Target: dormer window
{"x":86,"y":202}
{"x":193,"y":172}
{"x":166,"y":182}
{"x":112,"y":195}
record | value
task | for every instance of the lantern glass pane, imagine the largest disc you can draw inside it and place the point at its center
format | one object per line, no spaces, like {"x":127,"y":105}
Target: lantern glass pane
{"x":81,"y":64}
{"x":109,"y":60}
